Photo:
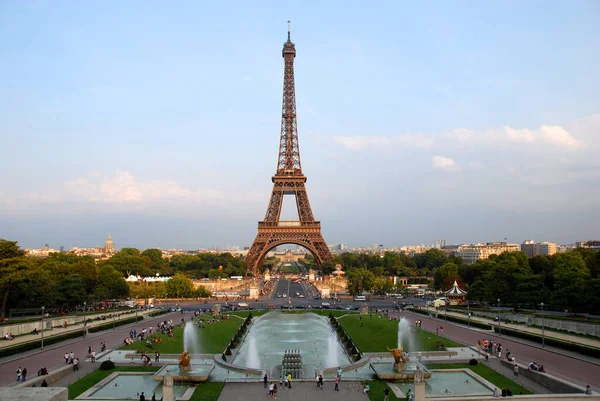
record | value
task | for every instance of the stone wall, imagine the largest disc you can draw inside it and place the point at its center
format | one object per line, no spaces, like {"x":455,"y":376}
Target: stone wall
{"x":50,"y":378}
{"x":552,"y":383}
{"x":34,"y":394}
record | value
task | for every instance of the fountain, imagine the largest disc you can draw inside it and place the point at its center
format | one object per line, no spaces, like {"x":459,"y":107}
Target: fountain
{"x":191,"y":342}
{"x":184,"y":362}
{"x":401,"y":369}
{"x":400,"y":358}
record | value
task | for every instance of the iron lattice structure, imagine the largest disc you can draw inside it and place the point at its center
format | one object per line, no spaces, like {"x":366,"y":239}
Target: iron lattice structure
{"x":288,"y":180}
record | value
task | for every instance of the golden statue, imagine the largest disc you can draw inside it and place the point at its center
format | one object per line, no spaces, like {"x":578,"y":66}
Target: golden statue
{"x":400,"y":357}
{"x":184,"y":362}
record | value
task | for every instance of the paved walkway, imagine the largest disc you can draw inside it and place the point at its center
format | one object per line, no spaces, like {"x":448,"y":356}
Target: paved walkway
{"x":52,"y":356}
{"x":70,"y":329}
{"x":558,"y":364}
{"x":534,"y":330}
{"x":301,"y":391}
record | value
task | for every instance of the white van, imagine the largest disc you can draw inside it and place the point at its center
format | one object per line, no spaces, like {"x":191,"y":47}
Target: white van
{"x":360,"y":298}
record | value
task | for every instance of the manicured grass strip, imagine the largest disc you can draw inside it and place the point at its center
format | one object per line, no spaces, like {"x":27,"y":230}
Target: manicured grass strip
{"x":207,"y":391}
{"x":487,"y":373}
{"x":378,"y":333}
{"x":245,"y":313}
{"x":555,"y":342}
{"x":213,"y":338}
{"x":53,"y":339}
{"x":377,"y":388}
{"x":83,"y":384}
{"x":455,"y":319}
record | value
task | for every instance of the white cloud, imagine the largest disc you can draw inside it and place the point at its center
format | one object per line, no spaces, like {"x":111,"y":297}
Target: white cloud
{"x":519,"y":135}
{"x":384,"y":142}
{"x":122,"y":187}
{"x":445,"y":164}
{"x":475,"y":165}
{"x":558,"y":136}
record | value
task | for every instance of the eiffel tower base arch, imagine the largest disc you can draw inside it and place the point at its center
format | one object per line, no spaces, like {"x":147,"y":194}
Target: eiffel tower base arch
{"x":270,"y":236}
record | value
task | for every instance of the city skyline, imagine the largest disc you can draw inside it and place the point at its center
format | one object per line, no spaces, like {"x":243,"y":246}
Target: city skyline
{"x":411,"y":126}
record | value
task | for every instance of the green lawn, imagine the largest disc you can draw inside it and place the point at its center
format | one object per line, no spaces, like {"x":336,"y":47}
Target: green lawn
{"x":377,"y":333}
{"x":213,"y":338}
{"x":487,"y":373}
{"x":207,"y":391}
{"x":83,"y":384}
{"x":289,"y":269}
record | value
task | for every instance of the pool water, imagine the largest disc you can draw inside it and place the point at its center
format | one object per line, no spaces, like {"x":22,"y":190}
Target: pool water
{"x":126,"y":386}
{"x":272,"y":334}
{"x":449,"y":384}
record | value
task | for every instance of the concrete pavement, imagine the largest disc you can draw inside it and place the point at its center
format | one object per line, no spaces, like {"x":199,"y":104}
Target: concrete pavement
{"x":70,"y":329}
{"x":533,"y":330}
{"x":53,"y":356}
{"x":300,"y":391}
{"x":561,"y":365}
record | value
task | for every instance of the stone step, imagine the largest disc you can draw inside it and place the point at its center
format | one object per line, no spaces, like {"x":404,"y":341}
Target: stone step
{"x":396,"y":390}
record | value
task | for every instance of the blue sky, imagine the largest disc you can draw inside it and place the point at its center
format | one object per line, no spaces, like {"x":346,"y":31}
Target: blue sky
{"x":159,"y":123}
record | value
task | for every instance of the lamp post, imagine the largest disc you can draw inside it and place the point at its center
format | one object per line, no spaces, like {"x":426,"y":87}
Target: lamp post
{"x":499,"y":317}
{"x":43,"y":327}
{"x":543,"y":338}
{"x":113,"y":315}
{"x":84,"y":322}
{"x":446,"y":309}
{"x":469,"y":314}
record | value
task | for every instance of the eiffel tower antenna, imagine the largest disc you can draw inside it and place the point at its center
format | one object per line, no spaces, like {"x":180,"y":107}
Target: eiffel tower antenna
{"x":288,"y":180}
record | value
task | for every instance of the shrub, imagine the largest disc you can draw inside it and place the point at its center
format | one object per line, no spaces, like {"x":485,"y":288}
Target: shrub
{"x":107,"y":365}
{"x":473,"y":362}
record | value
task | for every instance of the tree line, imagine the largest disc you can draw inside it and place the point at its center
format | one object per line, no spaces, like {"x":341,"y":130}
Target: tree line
{"x":569,"y":280}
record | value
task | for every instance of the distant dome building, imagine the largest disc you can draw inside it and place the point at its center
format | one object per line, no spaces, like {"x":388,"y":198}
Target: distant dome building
{"x":109,"y":246}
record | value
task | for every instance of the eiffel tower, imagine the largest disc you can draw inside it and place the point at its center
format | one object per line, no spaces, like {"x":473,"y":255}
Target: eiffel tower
{"x":288,"y":180}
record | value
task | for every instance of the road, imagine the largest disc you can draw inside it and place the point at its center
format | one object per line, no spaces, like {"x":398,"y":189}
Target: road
{"x":53,"y":356}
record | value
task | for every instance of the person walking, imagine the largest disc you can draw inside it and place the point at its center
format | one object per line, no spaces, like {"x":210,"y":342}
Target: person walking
{"x":24,"y":373}
{"x":157,"y":358}
{"x":271,"y":389}
{"x":516,"y":371}
{"x":275,"y":391}
{"x":19,"y":372}
{"x":66,"y":358}
{"x":142,"y":397}
{"x":321,"y":382}
{"x":386,"y":394}
{"x":337,"y":383}
{"x":289,"y":380}
{"x":339,"y":372}
{"x":317,"y":380}
{"x":265,"y":379}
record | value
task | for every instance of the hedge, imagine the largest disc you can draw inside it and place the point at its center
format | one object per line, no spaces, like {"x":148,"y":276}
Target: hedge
{"x":23,"y":347}
{"x":158,"y":312}
{"x":450,"y":318}
{"x":554,"y":342}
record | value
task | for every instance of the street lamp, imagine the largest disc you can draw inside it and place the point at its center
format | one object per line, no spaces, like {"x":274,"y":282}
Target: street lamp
{"x":84,"y":322}
{"x":498,"y":316}
{"x":446,"y":309}
{"x":543,"y":338}
{"x":113,"y":314}
{"x":468,"y":314}
{"x":43,"y":327}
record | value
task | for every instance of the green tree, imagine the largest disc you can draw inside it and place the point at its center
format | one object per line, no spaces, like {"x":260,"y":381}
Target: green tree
{"x":10,"y":249}
{"x":359,"y":280}
{"x":111,"y":284}
{"x":180,"y":286}
{"x":571,"y":277}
